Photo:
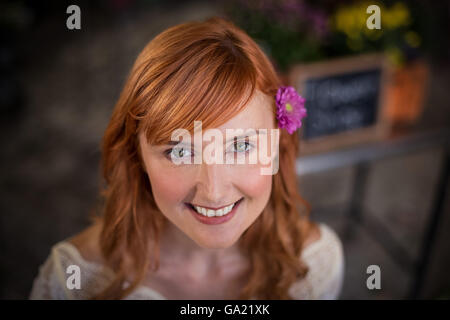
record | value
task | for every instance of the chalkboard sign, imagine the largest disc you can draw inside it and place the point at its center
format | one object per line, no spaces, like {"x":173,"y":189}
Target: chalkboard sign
{"x":344,"y":102}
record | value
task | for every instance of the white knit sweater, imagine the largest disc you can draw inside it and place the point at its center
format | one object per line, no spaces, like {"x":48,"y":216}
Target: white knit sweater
{"x":324,"y":280}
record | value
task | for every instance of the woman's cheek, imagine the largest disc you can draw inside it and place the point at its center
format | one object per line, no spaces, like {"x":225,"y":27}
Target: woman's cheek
{"x":251,"y":182}
{"x":168,"y":185}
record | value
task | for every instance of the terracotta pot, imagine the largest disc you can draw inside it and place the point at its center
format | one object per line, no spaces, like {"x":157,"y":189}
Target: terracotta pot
{"x":406,"y":93}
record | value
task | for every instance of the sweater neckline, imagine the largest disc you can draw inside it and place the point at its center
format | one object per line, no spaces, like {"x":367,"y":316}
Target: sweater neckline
{"x":96,"y":266}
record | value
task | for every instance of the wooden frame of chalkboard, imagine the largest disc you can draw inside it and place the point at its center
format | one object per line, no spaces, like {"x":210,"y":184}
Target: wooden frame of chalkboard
{"x":345,"y":102}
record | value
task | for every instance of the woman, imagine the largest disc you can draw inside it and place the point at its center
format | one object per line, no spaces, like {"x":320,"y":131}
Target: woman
{"x":198,"y":230}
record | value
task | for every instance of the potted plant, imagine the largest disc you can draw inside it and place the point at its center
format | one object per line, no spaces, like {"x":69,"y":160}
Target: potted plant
{"x":299,"y":31}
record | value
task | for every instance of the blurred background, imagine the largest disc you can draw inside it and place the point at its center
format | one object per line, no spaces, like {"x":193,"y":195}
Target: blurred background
{"x":385,"y":191}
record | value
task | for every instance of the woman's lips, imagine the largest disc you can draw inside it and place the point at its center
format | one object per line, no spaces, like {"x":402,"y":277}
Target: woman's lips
{"x":215,"y":219}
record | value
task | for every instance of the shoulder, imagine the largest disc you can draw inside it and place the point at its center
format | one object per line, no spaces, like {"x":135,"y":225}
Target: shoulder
{"x":87,"y":243}
{"x":322,"y":238}
{"x":324,"y":256}
{"x":65,"y":260}
{"x":313,"y":234}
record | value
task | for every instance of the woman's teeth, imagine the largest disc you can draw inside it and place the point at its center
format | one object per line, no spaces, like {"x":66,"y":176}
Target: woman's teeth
{"x":214,"y":213}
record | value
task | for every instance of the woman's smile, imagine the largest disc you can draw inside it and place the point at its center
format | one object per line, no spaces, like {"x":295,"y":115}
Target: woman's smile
{"x":208,"y":215}
{"x":229,"y":196}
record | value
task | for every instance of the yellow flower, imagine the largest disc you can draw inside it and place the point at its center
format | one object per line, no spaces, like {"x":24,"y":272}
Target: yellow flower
{"x":354,"y":44}
{"x":396,"y":16}
{"x":413,"y":39}
{"x":395,"y":56}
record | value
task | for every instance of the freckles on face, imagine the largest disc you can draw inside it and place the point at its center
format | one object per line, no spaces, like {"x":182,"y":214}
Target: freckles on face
{"x":167,"y":188}
{"x":256,"y":189}
{"x":212,"y":186}
{"x":251,"y":182}
{"x":170,"y":185}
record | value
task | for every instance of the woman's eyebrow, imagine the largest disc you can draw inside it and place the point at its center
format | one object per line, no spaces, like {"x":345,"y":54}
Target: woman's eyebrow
{"x":250,"y":134}
{"x":174,"y":143}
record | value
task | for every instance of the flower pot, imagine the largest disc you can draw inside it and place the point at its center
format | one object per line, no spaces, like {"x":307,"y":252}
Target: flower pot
{"x":406,"y":92}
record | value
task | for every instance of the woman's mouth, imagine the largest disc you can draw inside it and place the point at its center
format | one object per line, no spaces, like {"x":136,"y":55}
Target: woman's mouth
{"x":209,"y":215}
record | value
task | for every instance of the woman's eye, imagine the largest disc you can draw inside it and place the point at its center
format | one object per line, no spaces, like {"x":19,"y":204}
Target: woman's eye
{"x":178,"y":153}
{"x":242,"y":146}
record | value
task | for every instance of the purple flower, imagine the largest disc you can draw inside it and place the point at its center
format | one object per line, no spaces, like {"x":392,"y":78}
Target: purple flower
{"x":290,"y":109}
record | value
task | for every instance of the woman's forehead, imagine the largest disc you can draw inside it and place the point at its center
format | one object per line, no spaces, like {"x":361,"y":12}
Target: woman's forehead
{"x":257,"y":114}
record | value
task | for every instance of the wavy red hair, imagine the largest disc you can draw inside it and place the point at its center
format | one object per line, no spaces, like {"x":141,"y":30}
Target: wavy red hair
{"x":183,"y":75}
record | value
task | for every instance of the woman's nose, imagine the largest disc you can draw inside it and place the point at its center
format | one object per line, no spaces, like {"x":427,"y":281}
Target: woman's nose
{"x":212,"y":183}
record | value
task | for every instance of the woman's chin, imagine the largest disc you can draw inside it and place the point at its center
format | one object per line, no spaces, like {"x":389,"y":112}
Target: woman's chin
{"x":215,"y":242}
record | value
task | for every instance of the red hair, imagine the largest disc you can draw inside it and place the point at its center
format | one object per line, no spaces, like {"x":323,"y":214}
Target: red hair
{"x":183,"y":75}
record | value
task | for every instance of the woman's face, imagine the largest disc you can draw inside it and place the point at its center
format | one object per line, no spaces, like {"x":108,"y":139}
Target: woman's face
{"x":182,"y":189}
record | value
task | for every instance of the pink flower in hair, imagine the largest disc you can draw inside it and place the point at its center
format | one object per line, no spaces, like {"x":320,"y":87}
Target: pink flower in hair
{"x":290,"y":109}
